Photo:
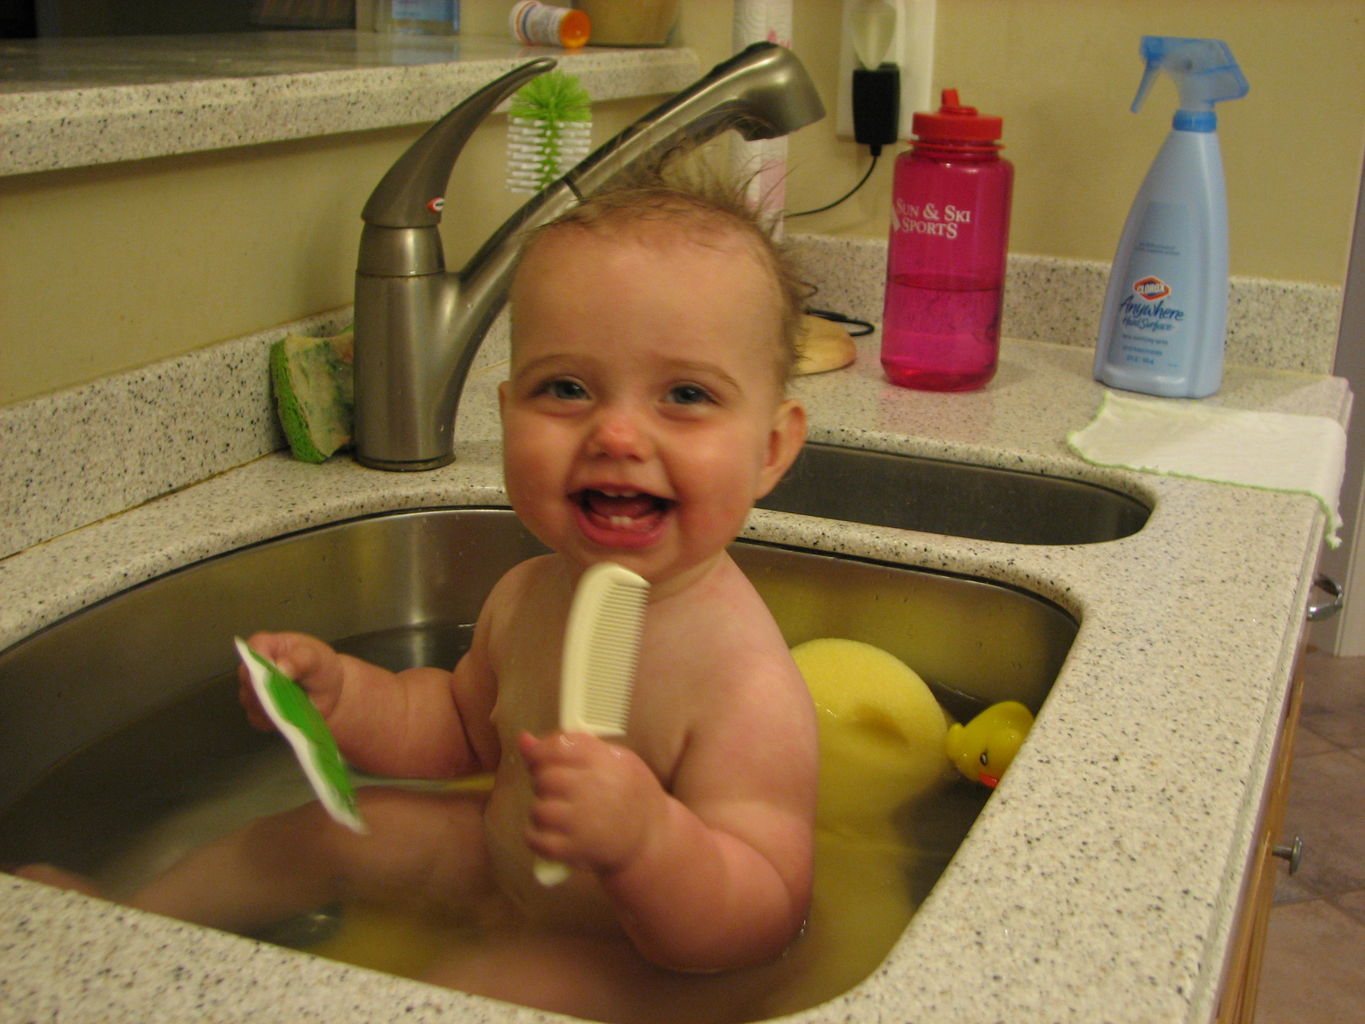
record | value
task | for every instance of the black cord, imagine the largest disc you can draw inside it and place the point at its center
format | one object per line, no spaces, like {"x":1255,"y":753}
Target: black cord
{"x":876,"y":154}
{"x":857,"y":328}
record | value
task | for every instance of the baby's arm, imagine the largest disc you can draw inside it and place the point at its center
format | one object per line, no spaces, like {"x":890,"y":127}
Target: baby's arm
{"x":715,"y":874}
{"x":418,"y":723}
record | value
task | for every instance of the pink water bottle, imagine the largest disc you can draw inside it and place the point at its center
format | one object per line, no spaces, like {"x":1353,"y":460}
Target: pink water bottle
{"x":945,"y":274}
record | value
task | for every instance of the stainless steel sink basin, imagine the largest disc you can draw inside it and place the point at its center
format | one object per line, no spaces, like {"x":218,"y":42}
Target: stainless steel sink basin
{"x":953,"y":498}
{"x":122,"y":721}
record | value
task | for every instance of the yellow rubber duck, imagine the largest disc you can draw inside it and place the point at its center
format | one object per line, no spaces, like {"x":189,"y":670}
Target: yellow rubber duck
{"x":984,"y":747}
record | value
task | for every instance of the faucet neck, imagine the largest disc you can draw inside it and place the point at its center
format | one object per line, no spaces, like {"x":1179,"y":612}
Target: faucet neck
{"x":400,"y":252}
{"x":412,"y":193}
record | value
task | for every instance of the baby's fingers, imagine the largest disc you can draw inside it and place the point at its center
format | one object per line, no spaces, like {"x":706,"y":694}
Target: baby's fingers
{"x":561,"y":750}
{"x":251,"y":704}
{"x":246,"y":693}
{"x":295,"y":656}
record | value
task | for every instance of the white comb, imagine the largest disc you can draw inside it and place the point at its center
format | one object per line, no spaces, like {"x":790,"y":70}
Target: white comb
{"x":597,"y":673}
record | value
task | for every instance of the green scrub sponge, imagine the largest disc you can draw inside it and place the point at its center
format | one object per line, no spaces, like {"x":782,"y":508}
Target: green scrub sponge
{"x":314,"y":392}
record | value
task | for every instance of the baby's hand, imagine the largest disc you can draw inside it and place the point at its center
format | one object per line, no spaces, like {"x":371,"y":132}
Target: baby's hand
{"x":306,"y":660}
{"x":595,"y":802}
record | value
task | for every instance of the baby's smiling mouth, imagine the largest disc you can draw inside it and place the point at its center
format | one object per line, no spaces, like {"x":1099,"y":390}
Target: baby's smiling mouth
{"x":634,"y":511}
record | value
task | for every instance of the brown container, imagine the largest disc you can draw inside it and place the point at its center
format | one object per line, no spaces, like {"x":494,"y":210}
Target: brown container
{"x":629,"y":22}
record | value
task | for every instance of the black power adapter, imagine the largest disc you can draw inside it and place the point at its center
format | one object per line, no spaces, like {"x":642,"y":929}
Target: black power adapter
{"x":876,"y":105}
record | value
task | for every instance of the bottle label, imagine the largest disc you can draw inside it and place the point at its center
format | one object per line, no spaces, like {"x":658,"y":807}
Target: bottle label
{"x":538,"y":24}
{"x":1151,"y":330}
{"x":943,"y":221}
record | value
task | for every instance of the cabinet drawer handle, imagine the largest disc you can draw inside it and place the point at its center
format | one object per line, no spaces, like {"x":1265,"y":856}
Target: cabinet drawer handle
{"x":1292,"y":853}
{"x":1318,"y":612}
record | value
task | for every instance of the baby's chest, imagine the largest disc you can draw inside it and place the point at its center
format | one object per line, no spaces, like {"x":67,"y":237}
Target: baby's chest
{"x":528,"y":701}
{"x":528,"y":689}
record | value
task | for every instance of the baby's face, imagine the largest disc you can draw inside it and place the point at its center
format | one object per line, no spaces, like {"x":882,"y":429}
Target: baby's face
{"x":644,"y":412}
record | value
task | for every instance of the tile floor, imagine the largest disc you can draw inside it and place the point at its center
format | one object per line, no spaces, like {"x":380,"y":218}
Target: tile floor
{"x":1314,"y":971}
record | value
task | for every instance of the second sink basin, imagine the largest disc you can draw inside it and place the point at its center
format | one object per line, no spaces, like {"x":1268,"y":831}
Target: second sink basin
{"x":953,"y":498}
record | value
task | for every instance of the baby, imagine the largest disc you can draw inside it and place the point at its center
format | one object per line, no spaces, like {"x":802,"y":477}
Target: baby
{"x":645,"y":411}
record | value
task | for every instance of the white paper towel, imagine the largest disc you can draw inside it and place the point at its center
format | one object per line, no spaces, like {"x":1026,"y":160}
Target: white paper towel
{"x":764,"y":161}
{"x":1271,"y":450}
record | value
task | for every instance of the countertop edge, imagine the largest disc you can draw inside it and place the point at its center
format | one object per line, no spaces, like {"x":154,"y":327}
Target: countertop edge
{"x":88,"y":123}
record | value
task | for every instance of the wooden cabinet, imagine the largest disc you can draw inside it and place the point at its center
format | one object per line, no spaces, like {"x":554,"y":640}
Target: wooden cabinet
{"x":1242,"y":971}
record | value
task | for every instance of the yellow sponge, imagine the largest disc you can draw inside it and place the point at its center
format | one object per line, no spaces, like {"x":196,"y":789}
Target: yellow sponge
{"x":314,"y":392}
{"x":881,"y":731}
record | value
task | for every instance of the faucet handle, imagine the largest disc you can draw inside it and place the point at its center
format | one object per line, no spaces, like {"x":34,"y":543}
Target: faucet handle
{"x":412,"y":193}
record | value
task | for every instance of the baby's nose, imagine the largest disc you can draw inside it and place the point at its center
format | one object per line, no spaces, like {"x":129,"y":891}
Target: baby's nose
{"x":619,"y":433}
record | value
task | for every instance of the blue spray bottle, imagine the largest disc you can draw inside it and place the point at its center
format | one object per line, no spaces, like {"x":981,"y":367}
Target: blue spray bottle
{"x":1165,"y":311}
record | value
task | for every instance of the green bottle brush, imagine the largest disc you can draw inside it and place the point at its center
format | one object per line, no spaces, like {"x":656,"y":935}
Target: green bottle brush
{"x":549,"y":130}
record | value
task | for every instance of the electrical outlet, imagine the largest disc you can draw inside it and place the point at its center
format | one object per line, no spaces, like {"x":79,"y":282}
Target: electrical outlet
{"x":912,"y":49}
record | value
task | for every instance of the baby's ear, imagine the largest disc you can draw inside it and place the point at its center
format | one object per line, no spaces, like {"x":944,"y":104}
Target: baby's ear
{"x":785,"y":439}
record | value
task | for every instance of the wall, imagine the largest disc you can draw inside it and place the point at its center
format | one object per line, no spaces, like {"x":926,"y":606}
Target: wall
{"x":1062,"y":74}
{"x":109,"y":268}
{"x":1344,"y":634}
{"x":136,"y":17}
{"x":112,"y":267}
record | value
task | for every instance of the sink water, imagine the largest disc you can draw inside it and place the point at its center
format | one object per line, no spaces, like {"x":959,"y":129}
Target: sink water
{"x":122,"y":745}
{"x":954,"y":498}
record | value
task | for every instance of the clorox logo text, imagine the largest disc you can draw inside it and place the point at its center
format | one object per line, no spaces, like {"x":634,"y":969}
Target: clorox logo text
{"x":1152,"y":289}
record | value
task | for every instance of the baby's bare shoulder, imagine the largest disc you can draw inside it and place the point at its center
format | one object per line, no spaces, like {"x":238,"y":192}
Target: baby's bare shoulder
{"x":736,"y":647}
{"x":526,"y":582}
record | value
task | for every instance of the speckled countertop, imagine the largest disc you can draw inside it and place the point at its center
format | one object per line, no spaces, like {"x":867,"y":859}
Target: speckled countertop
{"x":1099,"y":883}
{"x":76,"y":102}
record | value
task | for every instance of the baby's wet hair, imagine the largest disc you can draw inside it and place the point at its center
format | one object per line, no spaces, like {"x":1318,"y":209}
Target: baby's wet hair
{"x":702,"y":202}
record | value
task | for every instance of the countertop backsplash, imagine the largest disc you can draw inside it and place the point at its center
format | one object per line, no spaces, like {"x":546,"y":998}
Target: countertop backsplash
{"x":90,"y":451}
{"x":1276,"y":325}
{"x":83,"y":453}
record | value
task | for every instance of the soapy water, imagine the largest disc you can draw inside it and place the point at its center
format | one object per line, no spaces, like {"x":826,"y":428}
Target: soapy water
{"x":948,"y":334}
{"x":126,"y":808}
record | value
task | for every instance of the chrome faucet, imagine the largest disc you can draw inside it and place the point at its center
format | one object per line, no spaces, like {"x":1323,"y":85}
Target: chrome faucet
{"x":417,"y":326}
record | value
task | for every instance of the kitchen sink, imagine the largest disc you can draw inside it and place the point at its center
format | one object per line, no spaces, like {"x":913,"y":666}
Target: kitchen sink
{"x":411,"y":585}
{"x":954,"y":498}
{"x":122,"y":745}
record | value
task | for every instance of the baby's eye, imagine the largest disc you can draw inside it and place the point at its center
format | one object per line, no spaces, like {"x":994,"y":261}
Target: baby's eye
{"x":564,"y":388}
{"x":689,"y":394}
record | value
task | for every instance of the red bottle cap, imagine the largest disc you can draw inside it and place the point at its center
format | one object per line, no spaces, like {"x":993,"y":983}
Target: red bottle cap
{"x":956,"y":126}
